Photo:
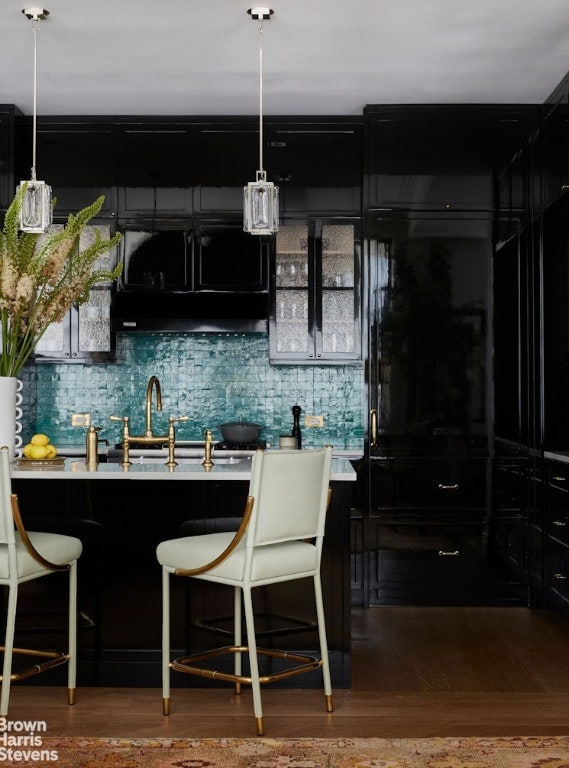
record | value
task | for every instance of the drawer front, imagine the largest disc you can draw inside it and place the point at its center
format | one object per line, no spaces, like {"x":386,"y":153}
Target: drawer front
{"x":557,"y":475}
{"x":557,"y":576}
{"x":431,"y":484}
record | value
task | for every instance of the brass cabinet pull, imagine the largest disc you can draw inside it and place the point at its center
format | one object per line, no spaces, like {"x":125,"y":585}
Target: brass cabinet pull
{"x":443,"y":553}
{"x":444,"y":487}
{"x":559,"y":478}
{"x":559,"y":576}
{"x":373,"y":427}
{"x":559,"y":522}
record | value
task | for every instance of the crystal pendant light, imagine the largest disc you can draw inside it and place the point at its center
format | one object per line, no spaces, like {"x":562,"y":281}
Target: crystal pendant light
{"x":36,"y":213}
{"x":260,"y":197}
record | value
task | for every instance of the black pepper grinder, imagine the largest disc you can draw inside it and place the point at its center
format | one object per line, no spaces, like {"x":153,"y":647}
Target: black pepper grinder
{"x":296,"y":409}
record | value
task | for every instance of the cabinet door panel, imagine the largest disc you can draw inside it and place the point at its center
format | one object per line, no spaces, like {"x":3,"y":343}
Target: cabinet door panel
{"x":556,"y":150}
{"x":440,"y":157}
{"x":156,"y":170}
{"x":229,"y":259}
{"x":428,"y":297}
{"x":79,"y":162}
{"x":227,"y":158}
{"x":315,"y":296}
{"x":556,"y":324}
{"x":317,"y":168}
{"x":7,"y":142}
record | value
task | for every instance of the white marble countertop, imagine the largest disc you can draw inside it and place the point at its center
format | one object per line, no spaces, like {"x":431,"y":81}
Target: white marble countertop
{"x":145,"y":469}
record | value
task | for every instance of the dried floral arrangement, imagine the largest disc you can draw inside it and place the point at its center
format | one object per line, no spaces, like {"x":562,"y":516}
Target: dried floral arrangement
{"x":42,"y":276}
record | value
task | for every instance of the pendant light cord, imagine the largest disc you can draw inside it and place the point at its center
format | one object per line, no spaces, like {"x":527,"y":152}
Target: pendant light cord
{"x":35,"y":24}
{"x":261,"y":170}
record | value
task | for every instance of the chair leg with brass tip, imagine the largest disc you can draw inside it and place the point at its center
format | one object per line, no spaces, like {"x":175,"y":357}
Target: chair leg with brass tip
{"x":71,"y":696}
{"x":329,"y":704}
{"x":260,"y":726}
{"x":165,"y":706}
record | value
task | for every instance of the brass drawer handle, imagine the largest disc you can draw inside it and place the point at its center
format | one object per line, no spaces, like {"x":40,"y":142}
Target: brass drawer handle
{"x":559,"y":576}
{"x":559,"y":478}
{"x":443,"y":487}
{"x":443,"y":553}
{"x":559,"y":522}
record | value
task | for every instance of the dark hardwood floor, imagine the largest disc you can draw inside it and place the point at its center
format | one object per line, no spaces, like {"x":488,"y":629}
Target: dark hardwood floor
{"x":417,"y":672}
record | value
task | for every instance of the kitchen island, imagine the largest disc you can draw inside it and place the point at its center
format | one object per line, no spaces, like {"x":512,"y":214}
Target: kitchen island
{"x":145,"y":468}
{"x":121,"y":523}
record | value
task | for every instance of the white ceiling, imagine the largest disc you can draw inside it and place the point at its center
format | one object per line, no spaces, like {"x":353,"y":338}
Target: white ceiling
{"x":320,"y":56}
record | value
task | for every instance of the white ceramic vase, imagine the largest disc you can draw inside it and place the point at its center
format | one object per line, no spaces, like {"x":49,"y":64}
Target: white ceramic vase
{"x":11,"y":414}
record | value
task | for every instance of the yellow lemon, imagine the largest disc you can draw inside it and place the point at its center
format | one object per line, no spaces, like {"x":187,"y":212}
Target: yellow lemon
{"x":51,"y":451}
{"x":39,"y":439}
{"x":26,"y":450}
{"x":38,"y":452}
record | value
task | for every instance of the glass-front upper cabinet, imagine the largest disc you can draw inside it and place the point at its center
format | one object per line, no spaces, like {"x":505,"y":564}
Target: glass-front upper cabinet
{"x":315,"y":300}
{"x":84,"y":334}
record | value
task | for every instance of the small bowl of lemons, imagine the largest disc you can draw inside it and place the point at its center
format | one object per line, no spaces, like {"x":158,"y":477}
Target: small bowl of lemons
{"x":39,"y":448}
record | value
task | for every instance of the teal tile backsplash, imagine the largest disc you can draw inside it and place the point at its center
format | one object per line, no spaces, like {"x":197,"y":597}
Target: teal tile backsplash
{"x":212,"y":378}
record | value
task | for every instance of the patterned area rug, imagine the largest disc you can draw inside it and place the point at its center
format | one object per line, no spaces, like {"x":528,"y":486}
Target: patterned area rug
{"x":521,"y":752}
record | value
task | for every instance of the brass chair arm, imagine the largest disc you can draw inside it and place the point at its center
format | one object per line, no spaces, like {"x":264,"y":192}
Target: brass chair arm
{"x":230,"y":547}
{"x":28,"y":544}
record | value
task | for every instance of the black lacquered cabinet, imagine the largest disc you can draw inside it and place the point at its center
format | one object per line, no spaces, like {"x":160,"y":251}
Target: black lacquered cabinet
{"x":156,"y":169}
{"x":509,"y":532}
{"x":440,"y":157}
{"x":554,"y":524}
{"x":446,"y":527}
{"x":227,"y":158}
{"x":7,"y":142}
{"x":427,"y":530}
{"x":317,"y":165}
{"x":315,"y":292}
{"x":78,"y":159}
{"x":555,"y":228}
{"x":555,"y":150}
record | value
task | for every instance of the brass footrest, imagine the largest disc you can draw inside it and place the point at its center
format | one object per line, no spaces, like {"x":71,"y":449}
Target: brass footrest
{"x":53,"y":659}
{"x":291,"y":625}
{"x":186,"y":664}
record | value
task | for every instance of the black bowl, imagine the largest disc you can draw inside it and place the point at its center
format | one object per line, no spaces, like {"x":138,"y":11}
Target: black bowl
{"x":240,"y":432}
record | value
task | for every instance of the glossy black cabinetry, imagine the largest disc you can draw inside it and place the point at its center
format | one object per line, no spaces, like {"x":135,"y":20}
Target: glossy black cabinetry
{"x":315,"y":297}
{"x":7,"y":142}
{"x":554,"y":528}
{"x":555,"y":224}
{"x":439,"y":529}
{"x":317,"y":165}
{"x":155,"y":170}
{"x":509,"y":547}
{"x":556,"y":150}
{"x":78,"y":159}
{"x":440,"y":157}
{"x":433,"y":537}
{"x":227,"y":157}
{"x":175,"y":188}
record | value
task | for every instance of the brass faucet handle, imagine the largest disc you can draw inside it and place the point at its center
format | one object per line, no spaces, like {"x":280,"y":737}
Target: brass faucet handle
{"x":125,"y":437}
{"x":207,"y":463}
{"x":124,"y":419}
{"x":172,"y":439}
{"x":172,"y":419}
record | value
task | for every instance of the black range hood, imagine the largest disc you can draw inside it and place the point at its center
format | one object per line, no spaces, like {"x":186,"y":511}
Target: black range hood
{"x":205,"y":277}
{"x":205,"y":312}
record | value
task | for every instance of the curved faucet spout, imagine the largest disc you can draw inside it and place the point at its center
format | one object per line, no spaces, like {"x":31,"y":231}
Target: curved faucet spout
{"x":153,"y":383}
